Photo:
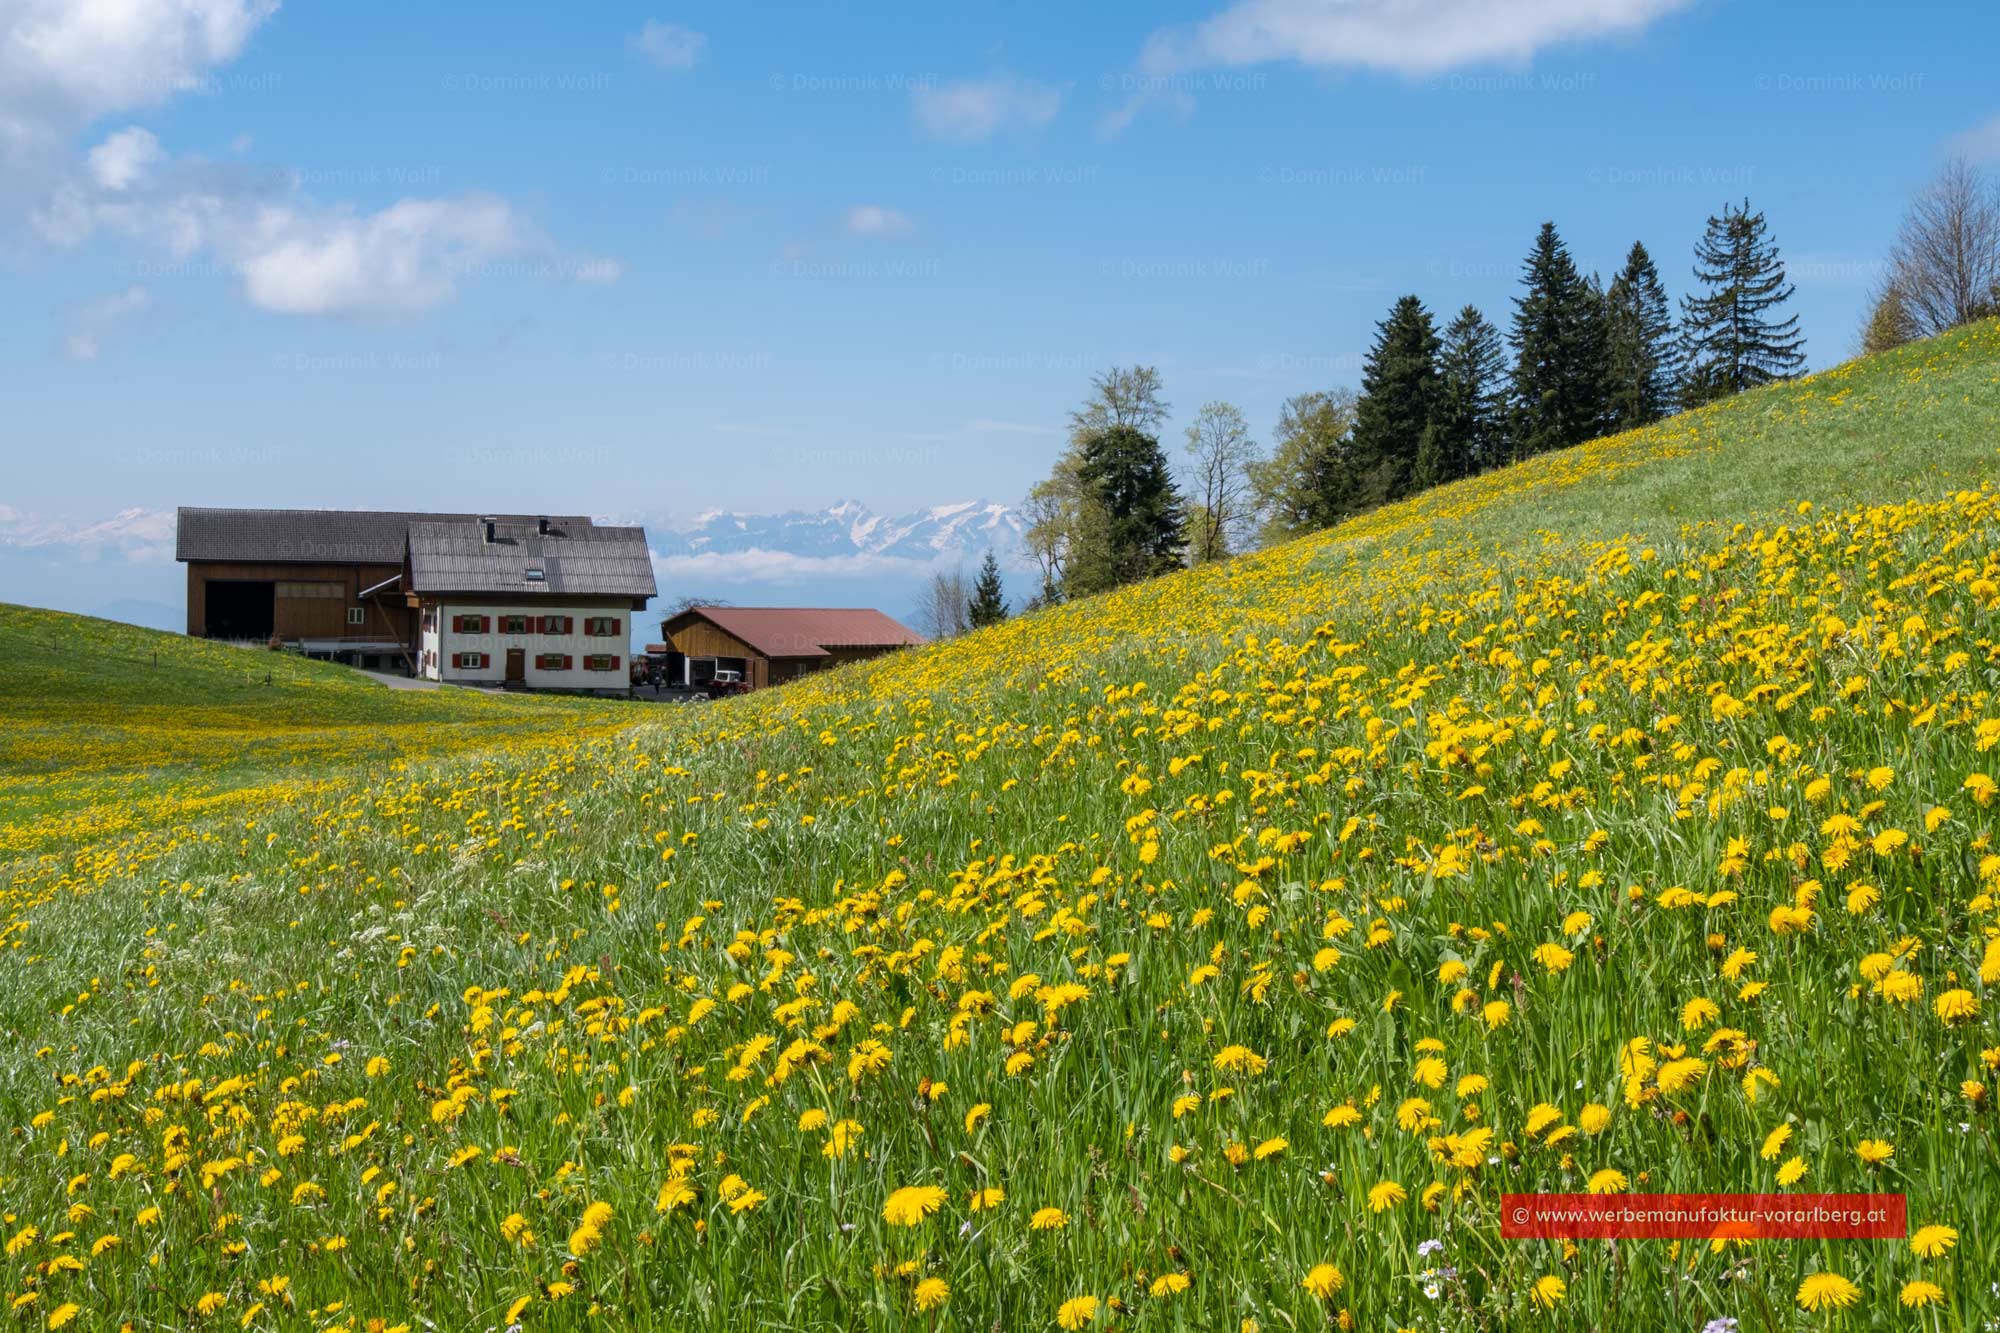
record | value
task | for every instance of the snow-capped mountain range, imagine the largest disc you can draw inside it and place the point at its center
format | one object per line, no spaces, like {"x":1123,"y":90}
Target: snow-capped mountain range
{"x":967,"y":530}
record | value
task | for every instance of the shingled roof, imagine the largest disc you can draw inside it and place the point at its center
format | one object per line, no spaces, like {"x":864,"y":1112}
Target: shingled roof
{"x":805,"y":631}
{"x":311,"y":536}
{"x":571,"y":559}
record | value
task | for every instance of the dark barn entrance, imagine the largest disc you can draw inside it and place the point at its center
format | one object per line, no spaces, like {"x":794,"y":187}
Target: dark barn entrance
{"x":240,"y":610}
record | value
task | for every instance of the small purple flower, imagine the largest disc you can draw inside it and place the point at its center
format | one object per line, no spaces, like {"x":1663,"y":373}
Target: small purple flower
{"x":1428,"y":1248}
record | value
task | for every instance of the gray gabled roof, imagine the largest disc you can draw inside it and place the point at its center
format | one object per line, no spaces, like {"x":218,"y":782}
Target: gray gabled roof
{"x":575,"y":559}
{"x":310,"y":536}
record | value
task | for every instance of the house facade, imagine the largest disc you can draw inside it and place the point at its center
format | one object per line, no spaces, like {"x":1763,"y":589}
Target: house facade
{"x":538,"y":604}
{"x":379,"y":589}
{"x":773,"y":644}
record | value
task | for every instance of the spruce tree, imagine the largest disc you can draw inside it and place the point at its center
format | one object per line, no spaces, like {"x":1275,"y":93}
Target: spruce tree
{"x":1639,"y":338}
{"x":1559,"y":352}
{"x":1730,"y":337}
{"x":1127,"y":474}
{"x":988,"y":606}
{"x":1471,"y":408}
{"x":1399,"y":388}
{"x":1890,"y":323}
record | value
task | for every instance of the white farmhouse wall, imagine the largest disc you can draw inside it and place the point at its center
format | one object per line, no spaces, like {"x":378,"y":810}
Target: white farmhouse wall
{"x":444,"y":643}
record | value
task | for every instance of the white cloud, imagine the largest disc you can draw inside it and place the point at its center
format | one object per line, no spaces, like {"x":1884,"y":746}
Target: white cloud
{"x":65,"y":63}
{"x":92,"y":321}
{"x":124,"y":158}
{"x":1411,"y":37}
{"x":404,"y":259}
{"x":873,"y":220}
{"x":1979,"y":144}
{"x":293,"y":254}
{"x":669,"y":45}
{"x":972,"y":110}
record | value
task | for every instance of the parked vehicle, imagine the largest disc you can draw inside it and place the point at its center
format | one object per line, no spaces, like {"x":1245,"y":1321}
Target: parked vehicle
{"x":726,"y":682}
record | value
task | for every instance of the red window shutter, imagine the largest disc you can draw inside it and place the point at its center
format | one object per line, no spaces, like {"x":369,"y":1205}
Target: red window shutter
{"x":614,"y":663}
{"x":485,"y":623}
{"x":616,"y":625}
{"x":567,"y":661}
{"x":485,"y":660}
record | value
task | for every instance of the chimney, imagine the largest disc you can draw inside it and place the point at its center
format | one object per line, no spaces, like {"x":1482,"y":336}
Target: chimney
{"x":489,"y":530}
{"x":542,"y":525}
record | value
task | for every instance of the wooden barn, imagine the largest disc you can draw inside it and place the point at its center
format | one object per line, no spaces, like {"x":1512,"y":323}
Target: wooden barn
{"x":380,"y":589}
{"x":773,"y":644}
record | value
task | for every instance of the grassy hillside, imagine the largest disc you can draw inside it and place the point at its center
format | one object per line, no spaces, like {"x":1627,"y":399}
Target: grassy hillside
{"x":1210,"y":955}
{"x":107,"y":728}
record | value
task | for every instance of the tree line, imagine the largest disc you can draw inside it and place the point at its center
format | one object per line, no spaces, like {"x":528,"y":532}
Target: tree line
{"x":1580,"y":359}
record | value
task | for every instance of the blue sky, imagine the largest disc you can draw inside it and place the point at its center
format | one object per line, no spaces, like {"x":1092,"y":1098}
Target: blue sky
{"x":647,"y":260}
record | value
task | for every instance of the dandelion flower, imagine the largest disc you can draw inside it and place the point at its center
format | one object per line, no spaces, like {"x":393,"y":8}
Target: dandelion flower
{"x":910,"y":1205}
{"x":1386,"y":1195}
{"x":1077,"y":1312}
{"x":1548,"y":1291}
{"x":1323,"y":1281}
{"x":930,"y":1294}
{"x":1827,"y":1291}
{"x":1049,"y":1219}
{"x":1916,"y":1295}
{"x":1930,"y":1242}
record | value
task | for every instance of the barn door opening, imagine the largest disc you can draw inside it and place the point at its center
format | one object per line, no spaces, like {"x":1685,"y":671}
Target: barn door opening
{"x":240,"y":609}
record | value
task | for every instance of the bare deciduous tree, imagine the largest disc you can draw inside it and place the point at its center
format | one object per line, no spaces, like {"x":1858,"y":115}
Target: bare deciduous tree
{"x":1220,"y":456}
{"x":943,"y":613}
{"x":1945,"y":268}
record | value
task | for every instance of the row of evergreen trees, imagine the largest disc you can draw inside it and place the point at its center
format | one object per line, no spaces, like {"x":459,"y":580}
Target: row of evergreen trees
{"x":1586,"y":360}
{"x":1581,"y":359}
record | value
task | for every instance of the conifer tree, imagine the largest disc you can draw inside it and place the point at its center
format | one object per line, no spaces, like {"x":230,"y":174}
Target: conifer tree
{"x":1559,"y":352}
{"x":1399,"y":389}
{"x":1126,"y":472}
{"x":988,"y":605}
{"x":1471,"y":408}
{"x":1890,"y":323}
{"x":1731,"y":339}
{"x":1640,"y":345}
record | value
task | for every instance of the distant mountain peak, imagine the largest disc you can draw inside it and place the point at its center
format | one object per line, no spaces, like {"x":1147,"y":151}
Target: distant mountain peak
{"x":961,"y":528}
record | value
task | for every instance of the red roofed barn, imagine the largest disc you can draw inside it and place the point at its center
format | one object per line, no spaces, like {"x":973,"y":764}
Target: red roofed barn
{"x":774,"y":644}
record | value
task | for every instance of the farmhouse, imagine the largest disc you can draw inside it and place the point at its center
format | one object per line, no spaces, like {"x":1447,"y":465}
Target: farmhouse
{"x":537,"y":604}
{"x":527,"y":600}
{"x":773,"y":644}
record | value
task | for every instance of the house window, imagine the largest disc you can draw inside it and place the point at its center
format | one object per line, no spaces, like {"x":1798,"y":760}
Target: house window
{"x":470,"y":661}
{"x":514,"y":625}
{"x":469,"y":624}
{"x":552,"y":661}
{"x":600,"y":662}
{"x":356,"y":615}
{"x":558,"y":625}
{"x":603,"y":627}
